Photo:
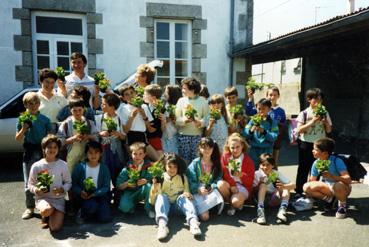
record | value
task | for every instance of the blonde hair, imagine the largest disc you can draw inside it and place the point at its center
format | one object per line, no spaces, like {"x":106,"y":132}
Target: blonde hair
{"x":238,"y":138}
{"x":30,"y":97}
{"x":137,"y":146}
{"x":146,"y":71}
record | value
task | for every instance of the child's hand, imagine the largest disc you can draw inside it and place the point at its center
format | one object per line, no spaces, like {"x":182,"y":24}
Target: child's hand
{"x":250,"y":94}
{"x":197,"y":123}
{"x":279,"y":185}
{"x":253,"y":128}
{"x":117,"y":134}
{"x":234,"y":189}
{"x":58,"y":191}
{"x":39,"y":192}
{"x":134,"y":112}
{"x":163,"y":118}
{"x":212,"y":121}
{"x":327,"y":175}
{"x":238,"y":174}
{"x":203,"y":191}
{"x":25,"y":126}
{"x":189,"y":120}
{"x":104,"y":133}
{"x":187,"y":195}
{"x":141,"y":181}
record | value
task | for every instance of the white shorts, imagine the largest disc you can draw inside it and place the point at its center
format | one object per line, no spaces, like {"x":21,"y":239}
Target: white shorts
{"x":242,"y":190}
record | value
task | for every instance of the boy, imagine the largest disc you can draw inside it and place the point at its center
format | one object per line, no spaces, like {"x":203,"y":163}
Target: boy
{"x":235,"y":123}
{"x":336,"y":180}
{"x":31,"y":133}
{"x":310,"y":129}
{"x":135,"y":188}
{"x":78,"y":77}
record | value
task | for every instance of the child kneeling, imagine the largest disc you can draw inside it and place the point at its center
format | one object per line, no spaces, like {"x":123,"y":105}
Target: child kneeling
{"x":173,"y":195}
{"x":336,"y":181}
{"x":268,"y":180}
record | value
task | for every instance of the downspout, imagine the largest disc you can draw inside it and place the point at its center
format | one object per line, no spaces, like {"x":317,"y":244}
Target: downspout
{"x":231,"y":43}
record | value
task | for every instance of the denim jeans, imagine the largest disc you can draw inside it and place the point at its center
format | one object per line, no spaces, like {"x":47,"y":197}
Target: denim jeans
{"x":163,"y":207}
{"x":96,"y":207}
{"x":32,"y":153}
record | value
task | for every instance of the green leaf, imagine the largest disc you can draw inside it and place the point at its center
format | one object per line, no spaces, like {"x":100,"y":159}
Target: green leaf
{"x":322,"y":165}
{"x":257,"y":120}
{"x":89,"y":185}
{"x":111,"y":125}
{"x":81,"y":127}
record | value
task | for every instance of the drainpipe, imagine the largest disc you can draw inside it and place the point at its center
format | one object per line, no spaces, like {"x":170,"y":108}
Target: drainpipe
{"x":231,"y":43}
{"x":351,"y":6}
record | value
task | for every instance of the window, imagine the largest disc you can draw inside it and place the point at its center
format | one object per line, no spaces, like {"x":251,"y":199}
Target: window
{"x":297,"y":69}
{"x":173,"y":46}
{"x":55,"y":37}
{"x":283,"y":67}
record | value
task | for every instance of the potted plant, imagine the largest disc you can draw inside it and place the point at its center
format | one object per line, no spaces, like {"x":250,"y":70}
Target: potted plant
{"x":215,"y":113}
{"x":60,"y":72}
{"x":253,"y":85}
{"x":111,"y":125}
{"x":320,"y":111}
{"x":137,"y":101}
{"x":159,"y":108}
{"x":89,"y":186}
{"x":256,"y":120}
{"x":273,"y":178}
{"x":81,"y":127}
{"x":44,"y":180}
{"x":236,"y":111}
{"x":190,"y":112}
{"x":171,"y":109}
{"x":101,"y":81}
{"x":157,"y":171}
{"x":205,"y":179}
{"x":322,"y":165}
{"x":139,"y":91}
{"x":133,"y":176}
{"x":26,"y":117}
{"x":234,"y":166}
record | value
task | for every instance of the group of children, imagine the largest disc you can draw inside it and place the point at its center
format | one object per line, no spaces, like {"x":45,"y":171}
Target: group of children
{"x":212,"y":154}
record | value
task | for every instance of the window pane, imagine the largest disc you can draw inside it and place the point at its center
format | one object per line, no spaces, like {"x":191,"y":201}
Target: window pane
{"x":63,"y":62}
{"x":162,"y":81}
{"x":181,"y":68}
{"x":63,"y":48}
{"x":162,"y":30}
{"x":43,"y":62}
{"x":76,"y":47}
{"x":181,"y":31}
{"x":42,"y":47}
{"x":164,"y":71}
{"x":162,"y":49}
{"x":58,"y":25}
{"x":181,"y":50}
{"x":178,"y":80}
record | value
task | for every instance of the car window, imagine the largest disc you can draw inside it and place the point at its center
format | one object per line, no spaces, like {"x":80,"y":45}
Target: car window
{"x":13,"y":109}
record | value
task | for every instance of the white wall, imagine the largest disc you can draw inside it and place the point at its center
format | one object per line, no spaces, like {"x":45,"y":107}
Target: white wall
{"x":122,"y":35}
{"x":8,"y":56}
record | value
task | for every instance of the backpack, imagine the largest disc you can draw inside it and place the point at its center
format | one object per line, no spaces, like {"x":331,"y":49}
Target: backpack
{"x":293,"y":135}
{"x":354,"y":167}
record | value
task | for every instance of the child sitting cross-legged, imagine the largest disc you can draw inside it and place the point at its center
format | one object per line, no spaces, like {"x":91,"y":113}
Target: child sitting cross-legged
{"x":268,"y":180}
{"x":173,"y":195}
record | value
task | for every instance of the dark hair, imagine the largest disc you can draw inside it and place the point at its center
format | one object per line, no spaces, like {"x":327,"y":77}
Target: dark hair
{"x":76,"y":55}
{"x":325,"y":144}
{"x":176,"y":160}
{"x":173,"y":93}
{"x":204,"y":92}
{"x":265,"y":102}
{"x":314,"y":93}
{"x":215,"y":156}
{"x":94,"y":145}
{"x":192,"y":84}
{"x":76,"y":103}
{"x":83,"y":92}
{"x":230,"y":91}
{"x":50,"y":138}
{"x":273,"y":89}
{"x":47,"y":73}
{"x":124,"y":88}
{"x":268,"y":158}
{"x":112,"y":100}
{"x":154,"y":90}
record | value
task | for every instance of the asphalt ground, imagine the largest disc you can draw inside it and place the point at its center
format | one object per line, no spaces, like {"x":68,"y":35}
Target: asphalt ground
{"x":310,"y":228}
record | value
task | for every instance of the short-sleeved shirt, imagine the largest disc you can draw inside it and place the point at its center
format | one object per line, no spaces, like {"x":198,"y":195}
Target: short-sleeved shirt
{"x":73,"y":80}
{"x":316,"y":131}
{"x":51,"y":107}
{"x":40,"y":128}
{"x":260,"y":176}
{"x":138,"y":123}
{"x":335,"y":168}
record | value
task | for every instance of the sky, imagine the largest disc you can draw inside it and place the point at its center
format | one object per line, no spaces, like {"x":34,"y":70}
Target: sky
{"x":276,"y":17}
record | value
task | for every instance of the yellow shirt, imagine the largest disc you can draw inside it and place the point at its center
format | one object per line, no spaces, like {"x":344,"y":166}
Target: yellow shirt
{"x":172,"y":187}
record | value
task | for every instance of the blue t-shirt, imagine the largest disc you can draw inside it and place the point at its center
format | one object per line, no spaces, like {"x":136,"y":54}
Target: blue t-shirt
{"x":335,"y":168}
{"x":40,"y":128}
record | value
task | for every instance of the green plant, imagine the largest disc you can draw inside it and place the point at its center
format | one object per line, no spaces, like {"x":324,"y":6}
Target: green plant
{"x":157,"y":170}
{"x":137,"y":101}
{"x":253,"y":85}
{"x":60,"y":72}
{"x":215,"y":113}
{"x":89,"y":186}
{"x":44,"y":180}
{"x":273,"y":177}
{"x":257,"y":119}
{"x":205,"y":179}
{"x":320,"y":111}
{"x":101,"y":81}
{"x":159,"y":108}
{"x":81,"y":127}
{"x":236,"y":111}
{"x":234,"y":166}
{"x":322,"y":165}
{"x":26,"y":117}
{"x":190,"y":112}
{"x":111,"y":125}
{"x":171,"y":109}
{"x":133,"y":176}
{"x":139,"y":91}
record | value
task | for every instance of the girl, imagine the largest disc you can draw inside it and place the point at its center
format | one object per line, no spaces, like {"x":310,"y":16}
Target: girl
{"x":50,"y":202}
{"x":92,"y":201}
{"x":237,"y":184}
{"x":170,"y":144}
{"x":262,"y":133}
{"x":269,"y":180}
{"x":173,"y":194}
{"x":190,"y":127}
{"x":144,"y":75}
{"x":203,"y":174}
{"x":217,"y":128}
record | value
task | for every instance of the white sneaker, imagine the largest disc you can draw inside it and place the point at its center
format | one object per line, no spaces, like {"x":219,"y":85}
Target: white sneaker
{"x":231,"y":211}
{"x":28,"y":214}
{"x":282,"y":214}
{"x":151,"y":214}
{"x":162,"y":232}
{"x":195,"y":229}
{"x":261,"y":217}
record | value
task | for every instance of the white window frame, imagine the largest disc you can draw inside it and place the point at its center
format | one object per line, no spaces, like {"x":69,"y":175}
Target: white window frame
{"x":54,"y":38}
{"x":172,"y":41}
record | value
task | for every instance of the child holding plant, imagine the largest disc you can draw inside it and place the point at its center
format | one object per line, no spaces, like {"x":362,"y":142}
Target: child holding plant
{"x":91,"y":185}
{"x":49,"y":180}
{"x":311,"y":127}
{"x":336,"y":181}
{"x":238,"y":173}
{"x":270,"y":181}
{"x":235,"y":112}
{"x":135,"y":181}
{"x":172,"y":93}
{"x":203,"y":174}
{"x":261,"y":131}
{"x":191,"y":110}
{"x":216,"y":121}
{"x":173,"y":195}
{"x":32,"y":126}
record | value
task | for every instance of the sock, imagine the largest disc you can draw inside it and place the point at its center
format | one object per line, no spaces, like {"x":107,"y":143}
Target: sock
{"x":327,"y":198}
{"x":194,"y":221}
{"x":284,"y":204}
{"x":260,"y":204}
{"x":162,"y":222}
{"x":341,"y":204}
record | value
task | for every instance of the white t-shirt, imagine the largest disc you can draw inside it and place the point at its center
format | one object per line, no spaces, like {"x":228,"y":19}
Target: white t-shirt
{"x":93,"y":172}
{"x":51,"y":107}
{"x":260,"y":176}
{"x":138,"y":123}
{"x":73,"y":80}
